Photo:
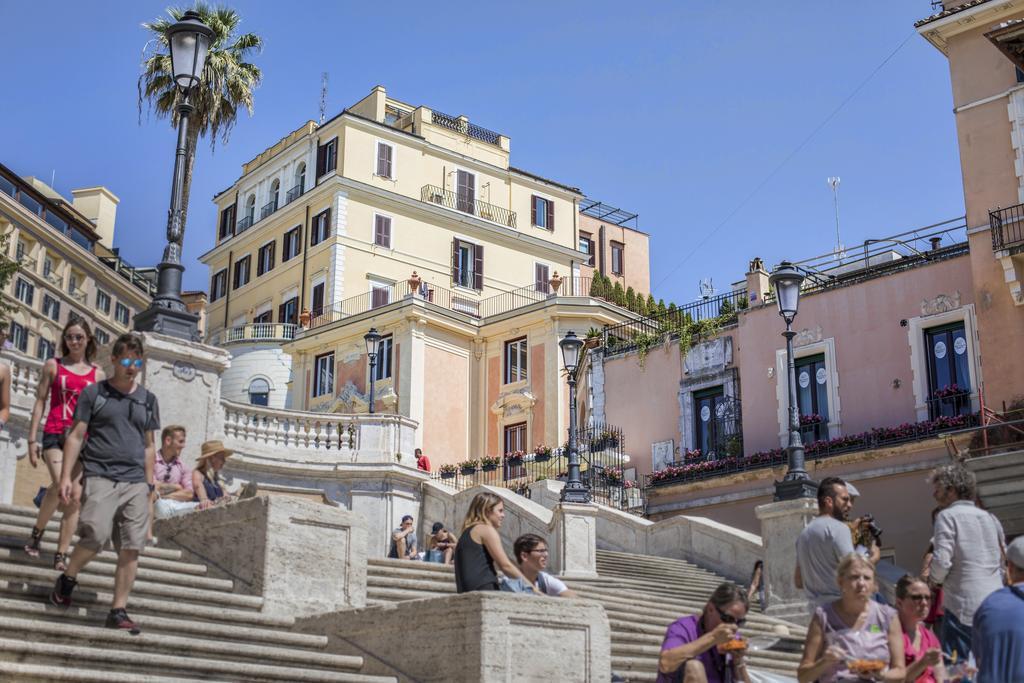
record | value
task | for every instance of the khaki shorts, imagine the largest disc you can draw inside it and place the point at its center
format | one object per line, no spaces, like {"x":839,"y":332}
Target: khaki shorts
{"x":115,"y":511}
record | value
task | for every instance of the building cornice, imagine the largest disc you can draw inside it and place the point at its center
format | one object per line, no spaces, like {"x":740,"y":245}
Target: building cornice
{"x":940,"y":29}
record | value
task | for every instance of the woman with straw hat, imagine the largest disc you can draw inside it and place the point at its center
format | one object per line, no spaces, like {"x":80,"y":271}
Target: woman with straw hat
{"x":206,"y":481}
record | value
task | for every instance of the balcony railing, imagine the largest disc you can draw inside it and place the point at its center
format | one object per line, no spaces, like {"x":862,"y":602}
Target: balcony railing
{"x":475,"y":207}
{"x":267,"y":209}
{"x":1007,"y":227}
{"x":628,"y":336}
{"x":293,"y":194}
{"x":129,"y":273}
{"x":244,"y":224}
{"x":465,"y":127}
{"x":255,"y":332}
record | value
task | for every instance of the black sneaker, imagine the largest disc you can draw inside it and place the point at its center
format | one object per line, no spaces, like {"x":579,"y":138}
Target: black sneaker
{"x":119,"y":619}
{"x":61,"y":595}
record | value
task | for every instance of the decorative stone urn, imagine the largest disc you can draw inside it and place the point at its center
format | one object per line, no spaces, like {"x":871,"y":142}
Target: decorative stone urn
{"x":414,"y":282}
{"x":304,"y":318}
{"x":555,"y":282}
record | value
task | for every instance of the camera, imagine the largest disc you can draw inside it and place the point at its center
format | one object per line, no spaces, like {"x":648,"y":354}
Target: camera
{"x":872,"y":526}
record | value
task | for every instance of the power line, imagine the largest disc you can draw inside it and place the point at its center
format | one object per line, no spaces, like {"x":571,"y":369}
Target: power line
{"x":785,"y":161}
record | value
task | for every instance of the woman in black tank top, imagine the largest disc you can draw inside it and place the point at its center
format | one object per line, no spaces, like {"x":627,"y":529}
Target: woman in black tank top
{"x":479,"y":547}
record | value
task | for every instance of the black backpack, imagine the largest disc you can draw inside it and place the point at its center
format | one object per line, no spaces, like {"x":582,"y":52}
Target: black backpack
{"x":103,"y":395}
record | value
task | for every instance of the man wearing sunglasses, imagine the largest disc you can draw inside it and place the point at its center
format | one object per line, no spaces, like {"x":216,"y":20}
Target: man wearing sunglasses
{"x":118,"y":461}
{"x":173,"y":478}
{"x":693,"y":652}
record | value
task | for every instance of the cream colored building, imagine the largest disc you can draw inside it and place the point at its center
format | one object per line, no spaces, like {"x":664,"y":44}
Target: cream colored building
{"x":68,"y":265}
{"x":615,"y":248}
{"x":335,"y":219}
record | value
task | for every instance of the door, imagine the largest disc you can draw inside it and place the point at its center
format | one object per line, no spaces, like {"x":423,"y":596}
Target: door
{"x":949,"y":378}
{"x":812,"y":397}
{"x":465,"y":190}
{"x":706,"y":406}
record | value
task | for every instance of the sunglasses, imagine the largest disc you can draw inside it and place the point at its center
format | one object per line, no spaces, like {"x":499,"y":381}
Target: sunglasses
{"x":75,"y":337}
{"x":730,"y":619}
{"x":540,"y":551}
{"x":919,"y":598}
{"x":128,"y":362}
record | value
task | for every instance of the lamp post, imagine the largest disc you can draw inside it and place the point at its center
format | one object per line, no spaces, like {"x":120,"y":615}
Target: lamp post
{"x":574,"y":490}
{"x":786,"y":280}
{"x":372,"y":339}
{"x":189,"y":40}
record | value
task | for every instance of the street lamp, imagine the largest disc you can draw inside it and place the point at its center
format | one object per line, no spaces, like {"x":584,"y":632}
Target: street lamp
{"x":786,"y":280}
{"x":574,"y":490}
{"x":189,"y":41}
{"x":372,"y":339}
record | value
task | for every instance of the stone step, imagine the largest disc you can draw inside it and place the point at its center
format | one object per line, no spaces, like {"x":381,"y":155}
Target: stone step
{"x":10,"y":556}
{"x":13,"y":671}
{"x":603,"y":555}
{"x":781,"y":659}
{"x":390,"y":595}
{"x":17,"y":541}
{"x":375,"y":562}
{"x":617,"y":567}
{"x":180,"y":592}
{"x":70,"y":633}
{"x":659,"y":589}
{"x":22,"y":525}
{"x":127,"y":660}
{"x":448,"y":586}
{"x":646,"y":668}
{"x":658,"y":620}
{"x":183,"y":625}
{"x":627,"y":595}
{"x":658,"y":578}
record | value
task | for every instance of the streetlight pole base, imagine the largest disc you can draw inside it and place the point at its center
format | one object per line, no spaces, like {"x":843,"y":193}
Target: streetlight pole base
{"x":792,"y":489}
{"x":169,"y":321}
{"x":575,"y":494}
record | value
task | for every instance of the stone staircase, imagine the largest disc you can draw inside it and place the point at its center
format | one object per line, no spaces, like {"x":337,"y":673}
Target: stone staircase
{"x":641,"y":594}
{"x":999,"y":488}
{"x":194,"y":627}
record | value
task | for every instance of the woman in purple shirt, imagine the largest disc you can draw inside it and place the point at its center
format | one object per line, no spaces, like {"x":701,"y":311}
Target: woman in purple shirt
{"x":692,"y":649}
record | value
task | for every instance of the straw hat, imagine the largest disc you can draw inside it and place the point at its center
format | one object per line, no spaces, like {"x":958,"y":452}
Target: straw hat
{"x":212,"y":448}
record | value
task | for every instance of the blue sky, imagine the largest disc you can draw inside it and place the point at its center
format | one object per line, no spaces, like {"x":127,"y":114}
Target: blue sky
{"x":674,"y":110}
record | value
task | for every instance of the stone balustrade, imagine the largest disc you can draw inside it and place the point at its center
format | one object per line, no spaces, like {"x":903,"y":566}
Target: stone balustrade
{"x":254,"y":333}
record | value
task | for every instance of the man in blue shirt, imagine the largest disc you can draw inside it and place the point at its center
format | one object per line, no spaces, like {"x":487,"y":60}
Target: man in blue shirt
{"x":998,"y":642}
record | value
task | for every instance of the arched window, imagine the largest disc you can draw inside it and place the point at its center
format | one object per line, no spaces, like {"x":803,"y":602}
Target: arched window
{"x":259,"y":392}
{"x":250,"y":208}
{"x":275,"y":191}
{"x":300,"y":179}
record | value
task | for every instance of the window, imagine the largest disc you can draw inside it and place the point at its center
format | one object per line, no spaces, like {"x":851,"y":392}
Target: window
{"x":317,"y":304}
{"x":227,"y":222}
{"x":380,"y":295}
{"x":300,"y":180}
{"x":385,"y":154}
{"x":467,"y":264}
{"x":218,"y":285}
{"x":540,"y":278}
{"x":24,"y":291}
{"x":121,"y":313}
{"x":265,"y":317}
{"x":51,"y":307}
{"x":587,"y":247}
{"x":515,"y":360}
{"x":515,"y":437}
{"x":812,"y":397}
{"x":259,"y":392}
{"x":45,"y":349}
{"x":708,"y":405}
{"x":327,"y":157}
{"x":288,"y":312}
{"x":265,"y":259}
{"x":321,"y":227}
{"x":275,"y":194}
{"x":72,"y":283}
{"x":241,"y":273}
{"x":250,"y":210}
{"x":382,"y":370}
{"x":617,"y":250}
{"x":949,"y":379}
{"x":382,"y":231}
{"x":103,"y":301}
{"x":56,"y":222}
{"x":19,"y":337}
{"x":19,"y":251}
{"x":102,"y":338}
{"x":47,"y":266}
{"x":323,"y":374}
{"x":542,"y":212}
{"x":291,"y":244}
{"x":465,"y":186}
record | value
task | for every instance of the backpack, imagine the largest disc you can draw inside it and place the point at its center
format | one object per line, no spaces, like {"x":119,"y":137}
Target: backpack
{"x":103,"y":395}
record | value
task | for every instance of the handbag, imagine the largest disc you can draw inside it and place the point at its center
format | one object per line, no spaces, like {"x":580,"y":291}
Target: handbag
{"x":515,"y":586}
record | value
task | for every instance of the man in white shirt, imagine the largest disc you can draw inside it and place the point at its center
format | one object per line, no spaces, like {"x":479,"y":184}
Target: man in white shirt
{"x":968,"y":558}
{"x":531,"y":553}
{"x":823,"y":543}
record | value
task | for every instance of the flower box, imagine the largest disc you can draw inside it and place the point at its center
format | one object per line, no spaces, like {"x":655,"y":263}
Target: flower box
{"x":467,"y":469}
{"x":447,"y":474}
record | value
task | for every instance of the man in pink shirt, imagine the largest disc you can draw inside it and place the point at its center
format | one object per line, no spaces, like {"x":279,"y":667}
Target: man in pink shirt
{"x":173,"y":478}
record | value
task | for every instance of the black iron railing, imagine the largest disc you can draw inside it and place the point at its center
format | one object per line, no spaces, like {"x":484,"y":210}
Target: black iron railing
{"x":244,"y":224}
{"x":1007,"y":227}
{"x":293,"y":194}
{"x":462,"y":126}
{"x":267,"y":209}
{"x":475,"y":207}
{"x":632,"y":334}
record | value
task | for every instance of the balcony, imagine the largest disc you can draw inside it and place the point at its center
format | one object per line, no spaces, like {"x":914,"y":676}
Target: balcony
{"x":462,"y":125}
{"x":244,"y":225}
{"x":293,"y":194}
{"x":474,"y":207}
{"x":267,"y":209}
{"x":254,"y":332}
{"x":1007,"y":228}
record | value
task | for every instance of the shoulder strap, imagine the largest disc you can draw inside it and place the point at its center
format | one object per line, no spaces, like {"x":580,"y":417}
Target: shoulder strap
{"x":1018,"y":592}
{"x":102,"y":396}
{"x":541,"y":583}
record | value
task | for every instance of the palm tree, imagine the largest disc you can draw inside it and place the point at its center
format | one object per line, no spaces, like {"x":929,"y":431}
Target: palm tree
{"x":228,"y":80}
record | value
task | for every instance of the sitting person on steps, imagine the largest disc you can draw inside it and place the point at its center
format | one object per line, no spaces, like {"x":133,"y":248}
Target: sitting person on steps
{"x":440,"y":545}
{"x":531,"y":553}
{"x":206,"y":482}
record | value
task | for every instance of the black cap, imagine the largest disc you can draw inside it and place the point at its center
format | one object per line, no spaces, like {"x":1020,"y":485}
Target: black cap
{"x":437,"y":527}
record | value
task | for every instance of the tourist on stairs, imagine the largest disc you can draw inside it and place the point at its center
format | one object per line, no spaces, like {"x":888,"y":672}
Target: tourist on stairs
{"x":207,"y":485}
{"x":63,"y":379}
{"x":120,"y":417}
{"x":853,"y":638}
{"x":479,"y":547}
{"x":707,"y":648}
{"x":531,"y":553}
{"x":920,"y":645}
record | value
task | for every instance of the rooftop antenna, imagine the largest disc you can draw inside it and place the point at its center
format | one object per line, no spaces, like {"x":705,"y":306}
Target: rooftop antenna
{"x":707,"y":290}
{"x":323,"y":96}
{"x":53,"y":176}
{"x":833,"y":182}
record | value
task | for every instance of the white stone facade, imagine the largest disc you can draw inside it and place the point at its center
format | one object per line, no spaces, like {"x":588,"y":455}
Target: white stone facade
{"x":263,"y":361}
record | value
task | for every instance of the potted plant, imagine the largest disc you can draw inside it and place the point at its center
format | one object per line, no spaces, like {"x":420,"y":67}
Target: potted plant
{"x":489,"y":464}
{"x":593,"y":338}
{"x":613,"y":474}
{"x":514,"y":458}
{"x":447,"y":471}
{"x":542,"y":453}
{"x":468,"y":466}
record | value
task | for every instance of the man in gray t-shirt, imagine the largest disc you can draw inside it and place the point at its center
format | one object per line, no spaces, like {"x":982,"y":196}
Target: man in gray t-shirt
{"x":823,"y":543}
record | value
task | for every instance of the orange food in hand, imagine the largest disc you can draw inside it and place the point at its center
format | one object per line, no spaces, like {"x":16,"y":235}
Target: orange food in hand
{"x":866,"y":666}
{"x":734,"y":645}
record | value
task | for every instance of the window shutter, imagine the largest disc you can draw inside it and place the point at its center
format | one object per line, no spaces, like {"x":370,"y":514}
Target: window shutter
{"x":332,"y":159}
{"x":533,"y":209}
{"x":540,"y":277}
{"x":383,"y":160}
{"x":382,"y":231}
{"x":280,"y":313}
{"x":551,"y":214}
{"x":455,"y":261}
{"x":478,"y":266}
{"x":321,"y":160}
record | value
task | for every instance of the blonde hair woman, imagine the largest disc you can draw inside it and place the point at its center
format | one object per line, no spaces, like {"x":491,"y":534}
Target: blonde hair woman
{"x":479,"y":547}
{"x":853,"y":638}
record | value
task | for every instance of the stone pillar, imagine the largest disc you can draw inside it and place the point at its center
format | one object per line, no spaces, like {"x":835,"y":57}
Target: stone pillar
{"x":185,"y":376}
{"x":575,"y":541}
{"x":8,"y":466}
{"x":781,"y":523}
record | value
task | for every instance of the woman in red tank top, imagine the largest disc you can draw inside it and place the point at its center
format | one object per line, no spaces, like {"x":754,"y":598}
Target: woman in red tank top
{"x":63,"y":379}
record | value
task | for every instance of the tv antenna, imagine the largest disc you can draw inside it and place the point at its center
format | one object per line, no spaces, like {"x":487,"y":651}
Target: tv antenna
{"x":323,"y":96}
{"x":707,"y":290}
{"x":833,"y":182}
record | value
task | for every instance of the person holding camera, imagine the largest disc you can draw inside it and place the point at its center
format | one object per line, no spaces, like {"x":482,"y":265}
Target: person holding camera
{"x":824,"y":543}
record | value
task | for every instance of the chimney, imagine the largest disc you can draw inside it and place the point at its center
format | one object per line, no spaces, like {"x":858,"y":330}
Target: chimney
{"x":757,"y":282}
{"x":99,"y":205}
